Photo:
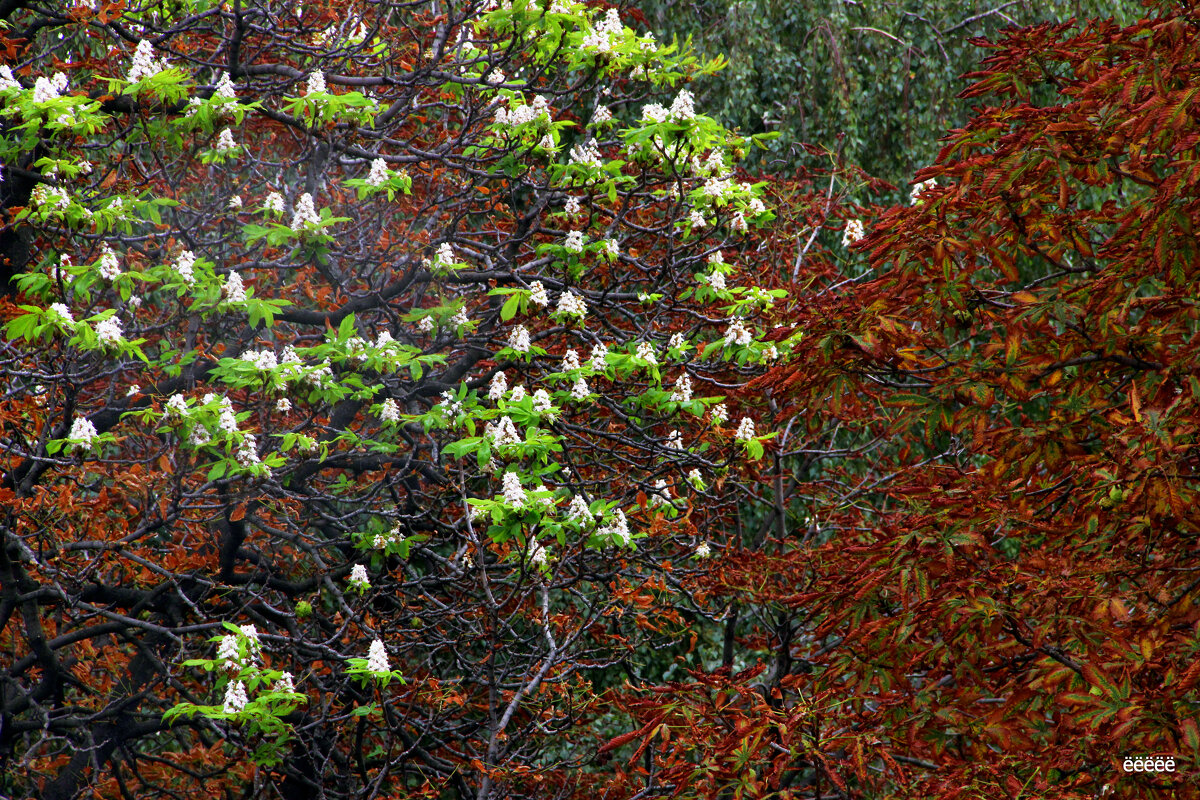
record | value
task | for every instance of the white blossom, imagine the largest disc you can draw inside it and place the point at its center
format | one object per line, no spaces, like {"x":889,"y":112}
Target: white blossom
{"x":653,"y":112}
{"x":703,"y":550}
{"x":738,"y":222}
{"x":274,"y":203}
{"x":660,"y":495}
{"x":389,"y":411}
{"x":570,"y":361}
{"x":283,"y":405}
{"x":920,"y":189}
{"x":177,"y":405}
{"x":225,"y":141}
{"x":229,"y":652}
{"x":601,"y":37}
{"x":225,"y":90}
{"x":571,"y":305}
{"x":697,"y":219}
{"x":498,"y":386}
{"x":358,"y":577}
{"x":262,"y":359}
{"x":587,"y":154}
{"x":185,"y":264}
{"x":502,"y":432}
{"x":514,"y":494}
{"x":517,"y":394}
{"x":854,"y":232}
{"x":132,"y":390}
{"x":683,"y":107}
{"x":696,"y":479}
{"x":618,"y":527}
{"x":542,"y":403}
{"x":450,"y":406}
{"x":518,"y":339}
{"x":247,"y":454}
{"x":611,"y":246}
{"x":379,"y":173}
{"x":234,"y":290}
{"x":745,"y":430}
{"x":645,"y":352}
{"x":316,"y":83}
{"x":580,"y":389}
{"x":537,"y":554}
{"x":674,"y":441}
{"x":235,"y":202}
{"x":770,"y":353}
{"x":719,"y":413}
{"x":235,"y":698}
{"x":377,"y":659}
{"x":574,"y":242}
{"x":7,"y":80}
{"x":426,"y":324}
{"x":44,"y":90}
{"x":683,"y":389}
{"x":62,"y":312}
{"x":537,"y":294}
{"x":738,"y":334}
{"x":676,"y":342}
{"x":109,"y":331}
{"x":601,"y":115}
{"x":84,"y":432}
{"x":253,"y":643}
{"x":599,"y":359}
{"x":715,"y":279}
{"x":572,"y":206}
{"x":144,"y":65}
{"x":285,"y":684}
{"x":445,"y":255}
{"x":109,"y":266}
{"x":460,"y":318}
{"x":305,"y":213}
{"x":579,"y":512}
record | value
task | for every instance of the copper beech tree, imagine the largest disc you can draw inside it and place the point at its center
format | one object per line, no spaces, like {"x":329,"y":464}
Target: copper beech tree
{"x":369,"y":369}
{"x":982,"y":579}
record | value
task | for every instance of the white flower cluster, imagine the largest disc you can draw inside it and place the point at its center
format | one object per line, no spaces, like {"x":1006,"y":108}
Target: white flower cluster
{"x":571,"y":305}
{"x":315,"y":84}
{"x":601,"y":115}
{"x":519,"y":113}
{"x":235,"y":698}
{"x":274,"y":203}
{"x":109,"y":331}
{"x":83,"y":432}
{"x":46,"y":196}
{"x":62,"y":312}
{"x":645,"y":351}
{"x":7,"y":80}
{"x":600,"y":38}
{"x":542,"y":403}
{"x":738,"y":334}
{"x":580,"y":390}
{"x":498,"y":386}
{"x":502,"y":432}
{"x":683,"y":389}
{"x":109,"y":266}
{"x":379,"y":173}
{"x":572,"y":205}
{"x":389,"y":411}
{"x":377,"y":659}
{"x":570,"y":361}
{"x":225,"y":93}
{"x":185,"y":265}
{"x":599,"y":359}
{"x":745,"y":430}
{"x":654,"y":112}
{"x":234,"y":290}
{"x":578,"y":511}
{"x":854,"y":232}
{"x":261,"y":359}
{"x":538,"y":554}
{"x":920,"y":189}
{"x":305,"y":213}
{"x":537,"y":294}
{"x":514,"y":494}
{"x":382,"y":540}
{"x":358,"y":577}
{"x":225,"y":141}
{"x":47,"y":89}
{"x":144,"y":64}
{"x":587,"y":154}
{"x":247,"y":454}
{"x":719,"y":414}
{"x":683,"y":107}
{"x":617,"y":527}
{"x":450,"y":406}
{"x":518,"y":339}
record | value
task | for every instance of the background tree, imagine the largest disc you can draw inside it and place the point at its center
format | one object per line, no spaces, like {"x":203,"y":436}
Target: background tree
{"x":365,"y":381}
{"x":988,"y":589}
{"x":876,"y":82}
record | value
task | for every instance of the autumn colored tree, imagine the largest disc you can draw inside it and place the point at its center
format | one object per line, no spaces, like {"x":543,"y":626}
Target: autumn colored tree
{"x":372,"y":372}
{"x":981,"y":580}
